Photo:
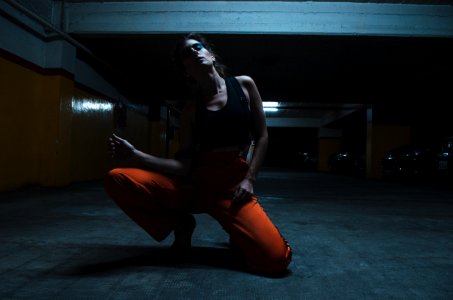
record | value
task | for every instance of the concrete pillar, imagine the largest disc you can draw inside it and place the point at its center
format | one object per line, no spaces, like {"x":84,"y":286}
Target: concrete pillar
{"x":329,"y":142}
{"x":383,"y":134}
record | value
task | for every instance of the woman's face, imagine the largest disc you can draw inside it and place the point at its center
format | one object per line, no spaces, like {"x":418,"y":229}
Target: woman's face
{"x":195,"y":56}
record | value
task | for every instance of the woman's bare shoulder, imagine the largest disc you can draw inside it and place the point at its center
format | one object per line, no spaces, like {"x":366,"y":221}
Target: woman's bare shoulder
{"x":245,"y":80}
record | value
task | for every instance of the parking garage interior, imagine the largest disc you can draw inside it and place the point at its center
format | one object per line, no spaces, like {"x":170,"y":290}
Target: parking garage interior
{"x":357,"y":175}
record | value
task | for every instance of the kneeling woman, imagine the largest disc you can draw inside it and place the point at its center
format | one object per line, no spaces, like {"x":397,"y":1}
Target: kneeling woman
{"x":210,"y":174}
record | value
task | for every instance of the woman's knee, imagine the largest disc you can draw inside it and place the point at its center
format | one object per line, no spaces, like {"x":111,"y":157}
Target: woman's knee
{"x":127,"y":178}
{"x":113,"y":179}
{"x":272,"y":261}
{"x":120,"y":182}
{"x":273,"y":265}
{"x":114,"y":174}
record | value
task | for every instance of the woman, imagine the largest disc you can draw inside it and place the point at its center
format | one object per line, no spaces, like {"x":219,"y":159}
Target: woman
{"x":210,"y":174}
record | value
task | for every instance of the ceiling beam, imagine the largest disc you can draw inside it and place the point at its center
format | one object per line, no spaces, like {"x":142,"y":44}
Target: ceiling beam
{"x":259,"y":17}
{"x":335,"y":115}
{"x":301,"y":122}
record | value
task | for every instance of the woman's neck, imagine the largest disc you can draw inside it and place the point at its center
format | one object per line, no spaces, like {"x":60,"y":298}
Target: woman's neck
{"x":211,"y":84}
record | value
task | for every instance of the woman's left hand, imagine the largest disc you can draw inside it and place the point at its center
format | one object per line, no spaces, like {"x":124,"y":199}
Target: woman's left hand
{"x":120,"y":149}
{"x":244,"y":192}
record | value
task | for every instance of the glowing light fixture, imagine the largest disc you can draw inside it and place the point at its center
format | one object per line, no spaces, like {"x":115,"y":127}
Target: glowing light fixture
{"x":270,"y":105}
{"x":87,"y":105}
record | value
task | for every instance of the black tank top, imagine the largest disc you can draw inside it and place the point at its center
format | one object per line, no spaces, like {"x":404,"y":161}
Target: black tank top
{"x":228,"y":126}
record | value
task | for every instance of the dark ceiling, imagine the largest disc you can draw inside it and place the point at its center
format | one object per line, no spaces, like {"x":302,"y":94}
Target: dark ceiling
{"x":312,"y":69}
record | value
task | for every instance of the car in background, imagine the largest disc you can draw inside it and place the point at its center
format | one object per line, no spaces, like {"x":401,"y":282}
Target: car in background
{"x":307,"y":161}
{"x":444,"y":159}
{"x":409,"y":162}
{"x":348,"y":163}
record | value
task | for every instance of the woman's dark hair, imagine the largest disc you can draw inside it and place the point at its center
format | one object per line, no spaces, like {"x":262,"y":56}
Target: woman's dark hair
{"x":177,"y":60}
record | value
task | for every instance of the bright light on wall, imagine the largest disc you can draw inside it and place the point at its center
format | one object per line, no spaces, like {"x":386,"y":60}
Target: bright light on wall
{"x":270,"y":105}
{"x":87,"y":105}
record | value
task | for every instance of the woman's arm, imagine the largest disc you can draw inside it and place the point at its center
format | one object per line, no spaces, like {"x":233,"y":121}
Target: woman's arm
{"x":126,"y":155}
{"x":245,"y":189}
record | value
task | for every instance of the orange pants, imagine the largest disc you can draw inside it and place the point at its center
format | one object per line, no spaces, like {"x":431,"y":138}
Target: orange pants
{"x":155,"y":202}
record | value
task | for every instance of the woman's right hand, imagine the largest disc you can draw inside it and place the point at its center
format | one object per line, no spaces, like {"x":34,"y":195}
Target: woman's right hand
{"x":120,"y":149}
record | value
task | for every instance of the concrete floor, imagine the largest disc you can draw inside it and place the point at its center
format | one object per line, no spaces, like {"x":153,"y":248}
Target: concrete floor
{"x":352,"y":238}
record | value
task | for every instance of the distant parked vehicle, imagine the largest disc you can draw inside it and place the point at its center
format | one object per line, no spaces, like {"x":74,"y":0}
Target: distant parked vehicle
{"x":348,"y":162}
{"x":409,"y":162}
{"x":444,"y":159}
{"x":306,"y":161}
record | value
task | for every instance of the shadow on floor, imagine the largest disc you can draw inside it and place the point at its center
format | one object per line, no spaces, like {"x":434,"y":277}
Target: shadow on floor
{"x":112,"y":259}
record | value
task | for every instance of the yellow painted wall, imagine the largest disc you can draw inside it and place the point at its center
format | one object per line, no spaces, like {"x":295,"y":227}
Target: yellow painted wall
{"x":137,"y":130}
{"x":35,"y":125}
{"x":92,"y":124}
{"x":20,"y":145}
{"x":326,"y":147}
{"x":53,"y":133}
{"x":54,"y":123}
{"x":381,"y":139}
